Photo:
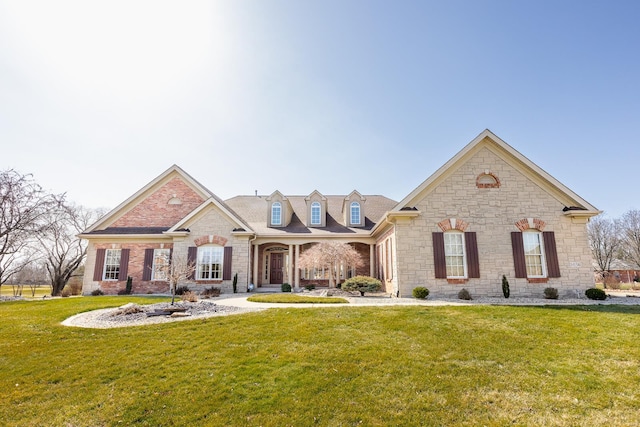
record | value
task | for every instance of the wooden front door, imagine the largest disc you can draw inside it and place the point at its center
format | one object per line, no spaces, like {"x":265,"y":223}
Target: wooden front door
{"x":276,"y":268}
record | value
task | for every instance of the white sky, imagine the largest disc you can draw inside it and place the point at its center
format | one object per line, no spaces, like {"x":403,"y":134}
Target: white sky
{"x":97,"y":98}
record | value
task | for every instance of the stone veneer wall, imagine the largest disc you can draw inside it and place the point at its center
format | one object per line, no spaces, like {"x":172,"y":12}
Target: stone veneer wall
{"x":492,"y":213}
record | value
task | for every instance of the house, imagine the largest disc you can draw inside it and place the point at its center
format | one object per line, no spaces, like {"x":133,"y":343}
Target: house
{"x":488,"y":212}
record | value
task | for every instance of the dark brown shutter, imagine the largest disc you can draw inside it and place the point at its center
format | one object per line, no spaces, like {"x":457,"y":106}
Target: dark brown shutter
{"x":551,"y":254}
{"x":439,"y":260}
{"x":97,"y":269}
{"x":473,"y":263}
{"x":192,"y":257}
{"x":148,"y":264}
{"x":226,"y":266}
{"x":124,"y":264}
{"x":519,"y":263}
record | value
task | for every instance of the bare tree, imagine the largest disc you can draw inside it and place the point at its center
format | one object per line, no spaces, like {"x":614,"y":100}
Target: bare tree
{"x":63,"y":252}
{"x":176,"y":270}
{"x":605,"y":242}
{"x":33,"y":275}
{"x":630,"y":232}
{"x":330,"y":255}
{"x":23,"y":209}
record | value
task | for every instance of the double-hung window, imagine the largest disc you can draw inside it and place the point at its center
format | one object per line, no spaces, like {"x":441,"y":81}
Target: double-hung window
{"x":112,"y":264}
{"x":534,"y":254}
{"x":160,"y":264}
{"x":454,"y":252}
{"x":210,"y":262}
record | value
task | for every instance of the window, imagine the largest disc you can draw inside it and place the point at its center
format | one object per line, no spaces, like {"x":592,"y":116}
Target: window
{"x":160,"y":266}
{"x":534,"y":254}
{"x":276,"y":213}
{"x":112,"y":264}
{"x":210,"y":262}
{"x":455,"y":255}
{"x":355,"y":213}
{"x":315,"y":213}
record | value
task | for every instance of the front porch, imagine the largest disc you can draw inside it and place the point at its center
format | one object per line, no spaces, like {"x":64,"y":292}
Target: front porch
{"x":274,"y":263}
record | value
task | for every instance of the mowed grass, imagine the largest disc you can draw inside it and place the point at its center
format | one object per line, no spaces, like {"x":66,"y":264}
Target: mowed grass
{"x":41,"y":291}
{"x":330,"y":366}
{"x":296,"y":299}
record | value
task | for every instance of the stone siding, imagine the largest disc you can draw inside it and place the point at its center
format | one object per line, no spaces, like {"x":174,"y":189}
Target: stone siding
{"x":492,"y":213}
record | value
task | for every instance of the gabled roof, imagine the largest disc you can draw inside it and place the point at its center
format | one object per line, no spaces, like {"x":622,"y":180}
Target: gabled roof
{"x":241,"y":225}
{"x":102,"y":225}
{"x":315,"y":193}
{"x":576,"y":205}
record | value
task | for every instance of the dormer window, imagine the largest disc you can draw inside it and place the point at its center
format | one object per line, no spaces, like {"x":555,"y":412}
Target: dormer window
{"x":355,"y":213}
{"x":316,"y":210}
{"x":276,"y":213}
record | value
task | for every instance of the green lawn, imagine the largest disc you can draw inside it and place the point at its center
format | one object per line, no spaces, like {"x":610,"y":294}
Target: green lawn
{"x":7,"y":291}
{"x":330,"y":366}
{"x":296,"y":299}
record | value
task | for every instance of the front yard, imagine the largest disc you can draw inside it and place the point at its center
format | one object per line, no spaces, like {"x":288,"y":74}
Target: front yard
{"x":335,"y":366}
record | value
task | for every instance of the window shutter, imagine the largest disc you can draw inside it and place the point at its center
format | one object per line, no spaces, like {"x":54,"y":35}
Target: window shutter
{"x":439,"y":261}
{"x":226,"y":266}
{"x":97,"y":269}
{"x":551,"y":254}
{"x":148,"y":264}
{"x":124,"y":264}
{"x":519,"y":263}
{"x":192,"y":256}
{"x":473,"y":263}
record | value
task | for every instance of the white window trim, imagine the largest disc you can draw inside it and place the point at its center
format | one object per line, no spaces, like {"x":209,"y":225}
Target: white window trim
{"x":355,"y":205}
{"x":154,"y":268}
{"x":199,"y":271}
{"x":543,"y":259}
{"x":464,"y":254}
{"x":278,"y":206}
{"x":317,"y":205}
{"x":106,"y":259}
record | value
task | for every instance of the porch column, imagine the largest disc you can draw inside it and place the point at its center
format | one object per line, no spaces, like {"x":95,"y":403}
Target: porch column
{"x":290,"y":266}
{"x":256,"y":264}
{"x":372,"y":260}
{"x":297,"y":270}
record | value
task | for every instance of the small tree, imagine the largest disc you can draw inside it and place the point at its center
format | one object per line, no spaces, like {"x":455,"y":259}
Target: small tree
{"x":362,"y":284}
{"x":505,"y":287}
{"x":177,"y":270}
{"x":330,"y":255}
{"x":605,"y":242}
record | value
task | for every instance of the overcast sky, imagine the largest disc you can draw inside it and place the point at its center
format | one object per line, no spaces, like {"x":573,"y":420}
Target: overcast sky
{"x":97,"y":98}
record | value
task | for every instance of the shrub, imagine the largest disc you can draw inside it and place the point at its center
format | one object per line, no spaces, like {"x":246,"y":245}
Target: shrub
{"x":180,"y":290}
{"x":420,"y":292}
{"x":636,"y":278}
{"x":285,"y":287}
{"x":362,"y":284}
{"x":464,"y":294}
{"x":211,"y":292}
{"x":550,"y":293}
{"x":189,"y":296}
{"x":235,"y":283}
{"x":97,"y":292}
{"x":122,"y":292}
{"x":75,"y":286}
{"x":310,"y":287}
{"x":66,"y":292}
{"x":129,"y":285}
{"x":596,"y":294}
{"x":505,"y":287}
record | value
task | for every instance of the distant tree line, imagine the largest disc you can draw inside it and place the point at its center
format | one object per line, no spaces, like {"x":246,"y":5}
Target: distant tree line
{"x":615,"y":239}
{"x":38,"y":234}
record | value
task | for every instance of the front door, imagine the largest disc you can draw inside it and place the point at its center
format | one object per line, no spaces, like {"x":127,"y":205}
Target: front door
{"x":276,"y":268}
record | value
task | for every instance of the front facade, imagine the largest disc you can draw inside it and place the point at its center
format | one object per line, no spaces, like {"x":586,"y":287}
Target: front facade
{"x":486,"y":213}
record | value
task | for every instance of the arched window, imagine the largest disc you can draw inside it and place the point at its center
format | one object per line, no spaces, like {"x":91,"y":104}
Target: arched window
{"x":276,"y":213}
{"x":355,"y":213}
{"x":315,"y":213}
